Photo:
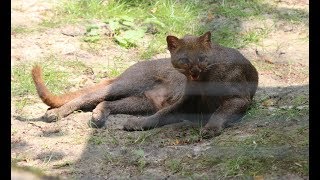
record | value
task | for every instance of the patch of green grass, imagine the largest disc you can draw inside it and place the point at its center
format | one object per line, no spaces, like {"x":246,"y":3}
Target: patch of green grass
{"x":228,"y":15}
{"x":96,"y":140}
{"x":114,"y":72}
{"x":156,"y":18}
{"x":50,"y":23}
{"x":76,"y":66}
{"x":151,"y":21}
{"x":300,"y":100}
{"x":54,"y":75}
{"x":139,"y":161}
{"x":133,"y":159}
{"x":22,"y":83}
{"x":277,"y":114}
{"x":243,"y":162}
{"x":246,"y":165}
{"x":143,"y":137}
{"x":22,"y":102}
{"x":259,"y":165}
{"x":113,"y":69}
{"x":294,"y":16}
{"x":174,"y":165}
{"x":227,"y":32}
{"x":156,"y":45}
{"x":92,"y":47}
{"x":21,"y":30}
{"x":238,"y":8}
{"x":270,"y":137}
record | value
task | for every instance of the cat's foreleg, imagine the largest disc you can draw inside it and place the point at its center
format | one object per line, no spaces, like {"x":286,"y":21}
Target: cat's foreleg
{"x":230,"y":110}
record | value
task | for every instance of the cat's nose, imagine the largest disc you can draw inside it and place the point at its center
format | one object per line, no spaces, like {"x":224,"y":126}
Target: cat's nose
{"x":195,"y":70}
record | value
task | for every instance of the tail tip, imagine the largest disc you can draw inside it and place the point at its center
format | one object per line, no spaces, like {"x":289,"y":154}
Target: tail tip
{"x":36,"y":70}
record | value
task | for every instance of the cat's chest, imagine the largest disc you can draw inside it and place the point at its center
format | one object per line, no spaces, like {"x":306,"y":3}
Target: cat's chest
{"x":202,"y":103}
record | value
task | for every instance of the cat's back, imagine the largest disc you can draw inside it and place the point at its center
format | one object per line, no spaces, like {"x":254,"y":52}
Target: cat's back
{"x":234,"y":67}
{"x":154,"y":68}
{"x":234,"y":59}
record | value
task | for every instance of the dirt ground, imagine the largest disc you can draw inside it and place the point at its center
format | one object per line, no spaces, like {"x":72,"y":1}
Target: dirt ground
{"x":69,"y":148}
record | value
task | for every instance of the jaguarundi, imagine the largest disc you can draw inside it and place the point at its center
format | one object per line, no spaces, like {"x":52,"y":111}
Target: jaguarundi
{"x":202,"y":81}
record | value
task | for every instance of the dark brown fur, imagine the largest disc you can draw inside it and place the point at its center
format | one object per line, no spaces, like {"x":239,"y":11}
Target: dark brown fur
{"x":201,"y":79}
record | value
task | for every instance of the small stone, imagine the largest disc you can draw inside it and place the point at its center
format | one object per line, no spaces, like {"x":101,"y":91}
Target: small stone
{"x":271,"y":108}
{"x":302,"y":107}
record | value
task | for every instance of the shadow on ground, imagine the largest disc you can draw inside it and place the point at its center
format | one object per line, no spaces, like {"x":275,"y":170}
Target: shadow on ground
{"x":271,"y":141}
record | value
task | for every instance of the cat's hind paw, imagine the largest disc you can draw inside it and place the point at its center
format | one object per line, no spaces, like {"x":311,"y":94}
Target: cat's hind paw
{"x":134,"y":124}
{"x":98,"y":118}
{"x":51,"y":115}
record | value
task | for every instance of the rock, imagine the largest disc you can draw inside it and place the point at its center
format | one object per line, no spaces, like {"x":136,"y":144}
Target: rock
{"x":73,"y":31}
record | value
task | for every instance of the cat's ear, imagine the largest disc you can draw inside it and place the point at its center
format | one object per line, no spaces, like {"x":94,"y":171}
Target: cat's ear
{"x":172,"y":42}
{"x":206,"y":39}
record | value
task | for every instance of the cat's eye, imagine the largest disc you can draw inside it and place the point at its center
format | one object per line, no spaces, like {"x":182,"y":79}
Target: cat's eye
{"x":202,"y":58}
{"x":184,"y":60}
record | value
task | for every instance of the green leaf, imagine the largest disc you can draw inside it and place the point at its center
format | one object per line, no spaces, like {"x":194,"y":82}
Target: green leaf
{"x":129,"y":38}
{"x":122,"y":41}
{"x":114,"y":25}
{"x":134,"y":35}
{"x":93,"y":32}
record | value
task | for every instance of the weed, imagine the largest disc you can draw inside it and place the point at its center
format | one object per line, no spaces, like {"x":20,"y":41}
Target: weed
{"x":50,"y":23}
{"x":21,"y":30}
{"x":20,"y":102}
{"x":247,"y":165}
{"x":294,"y":16}
{"x":111,"y":134}
{"x":96,"y":140}
{"x":140,"y":161}
{"x":22,"y":83}
{"x":157,"y":18}
{"x":92,"y":34}
{"x":174,"y":165}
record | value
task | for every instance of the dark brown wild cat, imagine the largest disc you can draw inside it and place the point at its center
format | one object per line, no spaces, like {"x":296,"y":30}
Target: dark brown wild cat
{"x":202,"y":81}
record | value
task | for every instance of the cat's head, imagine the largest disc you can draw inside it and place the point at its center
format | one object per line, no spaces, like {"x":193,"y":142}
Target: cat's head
{"x":189,"y":55}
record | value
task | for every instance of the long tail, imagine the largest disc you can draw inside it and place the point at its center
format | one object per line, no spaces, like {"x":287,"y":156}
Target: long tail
{"x":55,"y":101}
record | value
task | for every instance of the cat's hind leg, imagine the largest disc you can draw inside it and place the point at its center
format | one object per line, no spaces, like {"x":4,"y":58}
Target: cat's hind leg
{"x":120,"y":88}
{"x":129,"y":105}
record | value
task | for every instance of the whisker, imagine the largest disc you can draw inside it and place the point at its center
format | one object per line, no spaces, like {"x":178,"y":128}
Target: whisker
{"x":210,"y":66}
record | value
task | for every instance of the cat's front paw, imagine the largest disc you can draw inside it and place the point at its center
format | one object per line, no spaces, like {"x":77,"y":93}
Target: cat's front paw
{"x":211,"y":130}
{"x":134,"y":124}
{"x":51,"y":115}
